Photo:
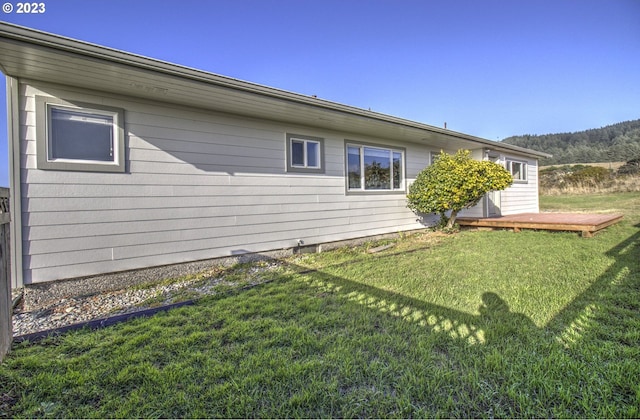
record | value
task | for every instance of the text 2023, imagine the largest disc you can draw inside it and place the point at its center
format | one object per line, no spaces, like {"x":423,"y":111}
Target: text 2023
{"x":30,"y":8}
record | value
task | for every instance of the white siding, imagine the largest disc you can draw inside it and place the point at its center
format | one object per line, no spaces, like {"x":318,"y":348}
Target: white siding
{"x":197,"y":185}
{"x":522,"y":197}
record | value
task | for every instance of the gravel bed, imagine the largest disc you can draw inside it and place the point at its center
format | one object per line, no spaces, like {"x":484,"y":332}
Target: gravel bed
{"x":77,"y":309}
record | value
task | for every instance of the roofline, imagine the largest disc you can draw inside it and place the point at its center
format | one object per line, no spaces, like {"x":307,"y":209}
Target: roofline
{"x":58,"y":42}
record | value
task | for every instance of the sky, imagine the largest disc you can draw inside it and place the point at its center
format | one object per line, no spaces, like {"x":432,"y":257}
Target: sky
{"x":489,"y":68}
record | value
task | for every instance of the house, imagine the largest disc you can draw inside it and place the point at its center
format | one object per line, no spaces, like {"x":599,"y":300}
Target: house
{"x":121,"y":162}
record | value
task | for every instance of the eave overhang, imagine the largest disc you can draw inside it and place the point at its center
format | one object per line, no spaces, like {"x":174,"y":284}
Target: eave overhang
{"x":28,"y":54}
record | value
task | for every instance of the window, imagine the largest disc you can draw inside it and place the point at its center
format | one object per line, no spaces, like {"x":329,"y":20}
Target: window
{"x":518,"y":170}
{"x":305,"y":154}
{"x":433,"y":156}
{"x":79,"y":137}
{"x":373,"y":168}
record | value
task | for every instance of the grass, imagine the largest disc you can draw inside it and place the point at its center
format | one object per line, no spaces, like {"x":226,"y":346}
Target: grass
{"x":478,"y":324}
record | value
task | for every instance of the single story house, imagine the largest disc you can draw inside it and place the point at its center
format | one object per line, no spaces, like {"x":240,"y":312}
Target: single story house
{"x":121,"y":162}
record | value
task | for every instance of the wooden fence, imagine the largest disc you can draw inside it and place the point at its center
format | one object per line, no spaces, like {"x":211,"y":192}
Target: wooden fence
{"x":6,"y":330}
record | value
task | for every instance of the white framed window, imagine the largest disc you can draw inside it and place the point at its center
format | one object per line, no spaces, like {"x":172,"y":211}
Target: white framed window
{"x":372,"y":168}
{"x":518,"y":170}
{"x":75,"y":136}
{"x":305,"y":154}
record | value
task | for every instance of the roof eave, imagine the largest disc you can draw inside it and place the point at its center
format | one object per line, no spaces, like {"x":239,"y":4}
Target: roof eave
{"x":85,"y":49}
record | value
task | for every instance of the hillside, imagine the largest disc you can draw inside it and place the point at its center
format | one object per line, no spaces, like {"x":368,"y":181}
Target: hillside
{"x":617,"y":142}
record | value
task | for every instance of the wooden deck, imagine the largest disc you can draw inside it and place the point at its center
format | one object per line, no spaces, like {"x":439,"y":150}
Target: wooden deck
{"x":587,"y":223}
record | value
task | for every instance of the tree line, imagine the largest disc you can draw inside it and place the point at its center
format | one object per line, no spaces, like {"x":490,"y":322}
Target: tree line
{"x":613,"y":143}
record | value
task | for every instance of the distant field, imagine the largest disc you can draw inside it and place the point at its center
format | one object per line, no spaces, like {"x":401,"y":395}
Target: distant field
{"x":608,"y":165}
{"x":554,"y":182}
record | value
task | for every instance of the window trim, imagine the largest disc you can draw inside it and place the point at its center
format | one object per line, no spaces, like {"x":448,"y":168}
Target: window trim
{"x":361,"y":145}
{"x":43,"y":122}
{"x":525,"y":170}
{"x":306,"y":139}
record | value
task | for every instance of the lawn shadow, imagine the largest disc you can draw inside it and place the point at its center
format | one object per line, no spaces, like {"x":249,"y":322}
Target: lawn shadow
{"x":617,"y":287}
{"x":501,"y":324}
{"x":494,"y":324}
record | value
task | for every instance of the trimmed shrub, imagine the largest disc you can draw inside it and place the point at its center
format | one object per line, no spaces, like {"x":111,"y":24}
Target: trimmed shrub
{"x":453,"y":183}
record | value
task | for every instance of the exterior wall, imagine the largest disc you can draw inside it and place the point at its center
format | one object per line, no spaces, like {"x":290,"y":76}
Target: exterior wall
{"x":197,"y":185}
{"x":522,"y":197}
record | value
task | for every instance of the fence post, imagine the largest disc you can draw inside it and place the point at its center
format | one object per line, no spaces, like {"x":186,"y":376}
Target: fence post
{"x":6,"y":328}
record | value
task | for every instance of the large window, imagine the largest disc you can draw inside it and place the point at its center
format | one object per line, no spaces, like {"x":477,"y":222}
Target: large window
{"x":305,"y":154}
{"x":374,"y":168}
{"x":518,"y":170}
{"x":79,"y":137}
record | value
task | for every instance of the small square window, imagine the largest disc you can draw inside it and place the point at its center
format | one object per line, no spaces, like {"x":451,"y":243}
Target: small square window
{"x":305,"y":154}
{"x":518,"y":170}
{"x":79,"y":137}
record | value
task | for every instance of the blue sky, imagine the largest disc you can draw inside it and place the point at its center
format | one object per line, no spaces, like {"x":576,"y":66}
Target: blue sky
{"x":486,"y":67}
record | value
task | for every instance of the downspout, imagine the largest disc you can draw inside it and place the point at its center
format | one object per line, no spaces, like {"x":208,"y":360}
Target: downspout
{"x":15,"y":194}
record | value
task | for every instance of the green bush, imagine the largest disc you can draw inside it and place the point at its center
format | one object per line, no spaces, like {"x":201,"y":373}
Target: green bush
{"x":576,"y":178}
{"x":453,"y":183}
{"x":592,"y":175}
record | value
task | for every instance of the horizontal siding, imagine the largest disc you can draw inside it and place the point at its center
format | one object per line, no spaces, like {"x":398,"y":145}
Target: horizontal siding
{"x":198,"y":185}
{"x":97,"y":228}
{"x":69,"y":218}
{"x":241,"y":244}
{"x":127,"y":245}
{"x":522,"y":197}
{"x":253,"y":163}
{"x":56,"y":191}
{"x":77,"y":238}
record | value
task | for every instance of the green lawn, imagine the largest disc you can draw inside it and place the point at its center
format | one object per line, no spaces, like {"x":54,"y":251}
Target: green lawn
{"x":477,"y":324}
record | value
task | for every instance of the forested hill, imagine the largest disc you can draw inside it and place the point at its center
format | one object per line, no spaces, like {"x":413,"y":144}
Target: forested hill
{"x":613,"y":143}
